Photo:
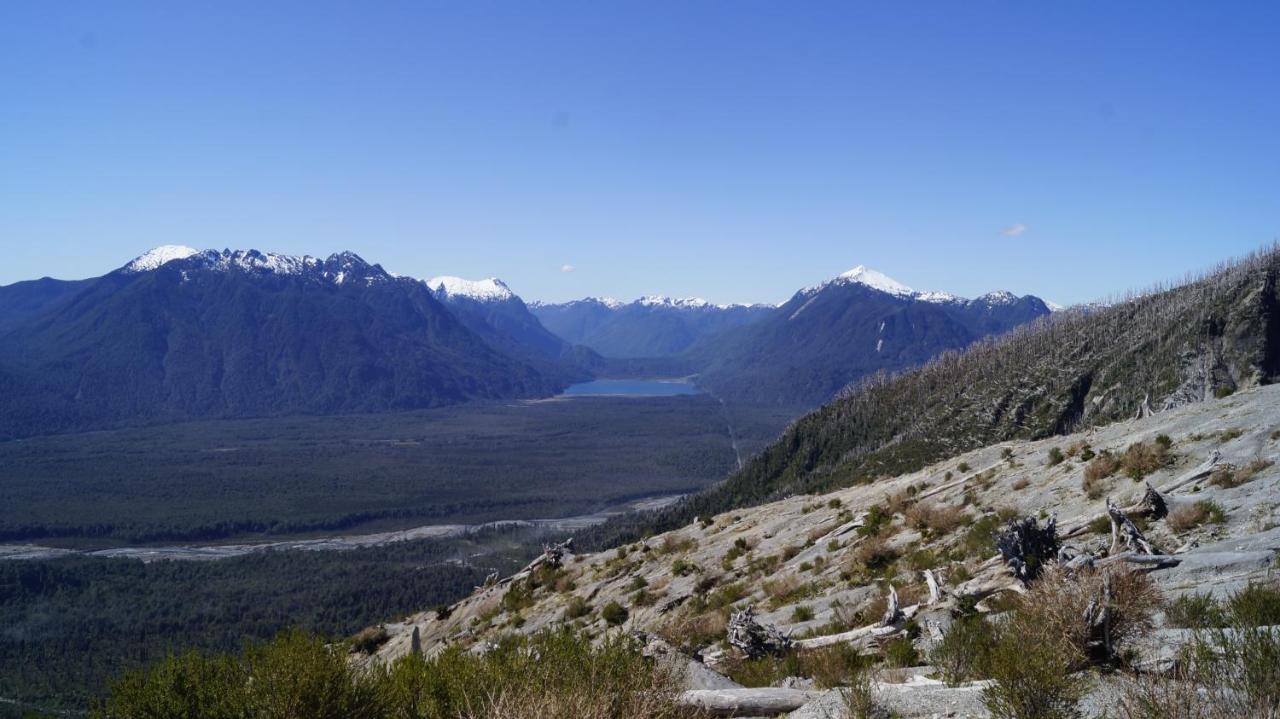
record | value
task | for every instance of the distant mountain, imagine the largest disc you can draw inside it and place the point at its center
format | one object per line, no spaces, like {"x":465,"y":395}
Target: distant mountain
{"x":491,"y":310}
{"x":181,"y":334}
{"x":21,"y":301}
{"x":648,"y":327}
{"x":857,"y":324}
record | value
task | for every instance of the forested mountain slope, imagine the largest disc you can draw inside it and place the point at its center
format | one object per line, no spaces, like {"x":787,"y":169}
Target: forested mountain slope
{"x":859,"y":323}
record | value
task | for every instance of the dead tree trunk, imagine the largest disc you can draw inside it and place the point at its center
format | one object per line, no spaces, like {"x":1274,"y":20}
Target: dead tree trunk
{"x":753,"y":638}
{"x":1124,"y":530}
{"x":892,"y":612}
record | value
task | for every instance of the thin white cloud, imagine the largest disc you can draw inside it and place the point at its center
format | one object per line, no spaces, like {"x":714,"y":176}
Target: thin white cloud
{"x":567,"y":268}
{"x":1014,"y":230}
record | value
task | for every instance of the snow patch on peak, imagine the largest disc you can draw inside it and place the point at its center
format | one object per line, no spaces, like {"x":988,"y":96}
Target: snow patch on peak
{"x":1053,"y":306}
{"x":159,"y":256}
{"x":490,"y":289}
{"x":875,"y":280}
{"x":681,"y":302}
{"x":999,"y":297}
{"x":939,"y":298}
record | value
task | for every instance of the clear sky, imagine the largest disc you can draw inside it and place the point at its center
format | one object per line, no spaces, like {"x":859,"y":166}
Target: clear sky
{"x":730,"y":150}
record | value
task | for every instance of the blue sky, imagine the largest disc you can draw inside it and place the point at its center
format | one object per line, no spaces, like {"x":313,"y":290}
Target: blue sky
{"x":731,"y":150}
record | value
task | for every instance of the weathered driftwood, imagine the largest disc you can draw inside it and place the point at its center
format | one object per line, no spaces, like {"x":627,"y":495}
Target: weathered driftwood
{"x":935,"y":592}
{"x":892,"y":612}
{"x":753,"y":638}
{"x":1202,"y":471}
{"x":871,"y":633}
{"x":1151,"y":561}
{"x":845,"y":528}
{"x":1123,"y":530}
{"x":1097,"y":620}
{"x":1026,"y":546}
{"x":765,"y":701}
{"x":1152,"y":504}
{"x":992,"y":576}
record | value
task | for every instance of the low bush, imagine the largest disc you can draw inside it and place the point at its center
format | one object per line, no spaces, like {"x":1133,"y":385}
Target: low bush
{"x":933,"y":520}
{"x":1194,"y":611}
{"x":614,"y":613}
{"x":964,"y":654}
{"x":368,"y":640}
{"x":1190,"y":516}
{"x":1056,"y":457}
{"x":1100,"y":467}
{"x":295,"y":676}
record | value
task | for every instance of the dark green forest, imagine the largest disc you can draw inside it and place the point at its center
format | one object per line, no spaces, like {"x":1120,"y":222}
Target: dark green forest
{"x":69,"y":626}
{"x":245,"y":479}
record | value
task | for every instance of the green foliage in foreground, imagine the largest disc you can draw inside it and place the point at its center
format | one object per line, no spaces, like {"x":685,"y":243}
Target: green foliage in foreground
{"x":297,"y":676}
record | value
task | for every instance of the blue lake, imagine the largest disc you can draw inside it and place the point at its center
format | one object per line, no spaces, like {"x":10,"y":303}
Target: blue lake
{"x":631,"y":388}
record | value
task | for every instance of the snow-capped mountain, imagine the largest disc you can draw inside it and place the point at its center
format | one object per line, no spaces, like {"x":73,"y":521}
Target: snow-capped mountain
{"x":860,"y":322}
{"x":491,"y":289}
{"x":337,"y":268}
{"x":499,"y":316}
{"x":181,"y":334}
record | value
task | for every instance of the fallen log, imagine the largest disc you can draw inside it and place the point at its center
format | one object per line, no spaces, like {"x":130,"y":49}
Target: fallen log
{"x":1202,"y":471}
{"x":764,"y":701}
{"x":861,"y":634}
{"x":1155,"y":561}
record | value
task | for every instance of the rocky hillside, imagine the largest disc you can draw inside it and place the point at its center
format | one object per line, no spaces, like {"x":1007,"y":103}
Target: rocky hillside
{"x":854,"y":567}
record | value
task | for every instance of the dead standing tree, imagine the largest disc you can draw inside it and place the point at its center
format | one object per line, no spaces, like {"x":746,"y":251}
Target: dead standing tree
{"x":756,"y":639}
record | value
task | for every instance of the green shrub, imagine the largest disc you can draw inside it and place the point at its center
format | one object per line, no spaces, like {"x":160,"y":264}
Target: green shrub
{"x":368,"y":640}
{"x":1056,"y":457}
{"x":802,"y":613}
{"x":877,"y":518}
{"x":1257,"y":605}
{"x":293,"y":676}
{"x":681,"y":567}
{"x":900,"y":653}
{"x":964,"y":654}
{"x":1031,"y":680}
{"x":577,"y":608}
{"x":1194,"y":611}
{"x":614,"y":613}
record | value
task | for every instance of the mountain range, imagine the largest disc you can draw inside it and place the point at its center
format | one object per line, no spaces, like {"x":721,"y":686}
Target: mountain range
{"x":180,"y":333}
{"x":653,"y":326}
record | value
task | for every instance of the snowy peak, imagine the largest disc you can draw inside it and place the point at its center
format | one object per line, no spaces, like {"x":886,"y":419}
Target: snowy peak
{"x":162,"y":255}
{"x":876,"y":280}
{"x":999,"y":297}
{"x":490,"y":289}
{"x":338,"y":268}
{"x":677,"y":302}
